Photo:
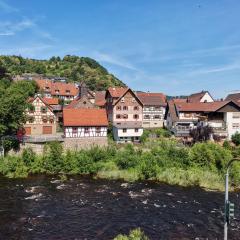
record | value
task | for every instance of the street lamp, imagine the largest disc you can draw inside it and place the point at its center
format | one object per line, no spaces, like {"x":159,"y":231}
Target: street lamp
{"x":229,"y":207}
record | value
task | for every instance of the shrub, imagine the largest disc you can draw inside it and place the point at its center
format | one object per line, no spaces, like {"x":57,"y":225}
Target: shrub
{"x":53,"y":161}
{"x":149,"y":166}
{"x":227,"y":145}
{"x":13,"y":167}
{"x":135,"y":234}
{"x":28,"y":156}
{"x":128,"y":157}
{"x":209,"y":154}
{"x":236,"y":139}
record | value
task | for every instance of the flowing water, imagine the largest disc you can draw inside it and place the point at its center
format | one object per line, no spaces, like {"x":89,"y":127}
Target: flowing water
{"x":82,"y":208}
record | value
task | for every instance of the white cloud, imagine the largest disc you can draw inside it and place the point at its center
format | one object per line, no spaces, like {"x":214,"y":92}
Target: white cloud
{"x":33,"y":50}
{"x":6,"y":7}
{"x":107,"y":58}
{"x":11,"y":28}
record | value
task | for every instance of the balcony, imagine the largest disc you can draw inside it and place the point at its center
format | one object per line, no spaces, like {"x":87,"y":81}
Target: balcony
{"x":182,"y":130}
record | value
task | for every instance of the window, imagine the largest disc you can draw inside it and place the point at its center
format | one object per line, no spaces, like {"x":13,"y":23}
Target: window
{"x":133,"y":100}
{"x":123,"y":100}
{"x":75,"y":130}
{"x":125,"y":108}
{"x":146,"y":116}
{"x":124,"y":130}
{"x":136,"y":129}
{"x":43,"y":109}
{"x":31,"y":119}
{"x":98,"y":130}
{"x":135,"y":116}
{"x":156,"y":116}
{"x":235,"y":125}
{"x":119,"y":108}
{"x":86,"y":130}
{"x":68,"y":91}
{"x":136,"y":108}
{"x":56,"y":91}
{"x":51,"y":119}
{"x":236,"y":115}
{"x":118,"y":116}
{"x":44,"y":119}
{"x":125,"y":116}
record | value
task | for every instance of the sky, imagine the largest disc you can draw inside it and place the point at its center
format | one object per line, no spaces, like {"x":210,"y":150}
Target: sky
{"x":173,"y":46}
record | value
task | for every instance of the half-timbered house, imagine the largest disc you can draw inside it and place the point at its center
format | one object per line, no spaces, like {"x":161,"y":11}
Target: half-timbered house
{"x":85,"y":123}
{"x":124,"y":111}
{"x":40,"y":117}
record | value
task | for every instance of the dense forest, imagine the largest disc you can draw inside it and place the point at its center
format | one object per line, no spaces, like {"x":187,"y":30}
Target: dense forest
{"x":73,"y":68}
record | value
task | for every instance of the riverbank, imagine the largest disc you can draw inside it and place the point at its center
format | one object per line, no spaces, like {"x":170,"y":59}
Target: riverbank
{"x":164,"y":160}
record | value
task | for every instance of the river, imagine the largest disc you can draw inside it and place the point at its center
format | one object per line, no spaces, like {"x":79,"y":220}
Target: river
{"x":41,"y":207}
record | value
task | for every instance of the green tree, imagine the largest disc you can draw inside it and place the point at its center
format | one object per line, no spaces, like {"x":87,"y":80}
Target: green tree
{"x":236,"y":138}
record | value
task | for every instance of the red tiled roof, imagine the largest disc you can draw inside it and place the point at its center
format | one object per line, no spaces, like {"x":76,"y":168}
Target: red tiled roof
{"x":85,"y":117}
{"x":152,"y":98}
{"x":200,"y":106}
{"x":196,"y":97}
{"x":233,"y":97}
{"x":100,"y":98}
{"x":65,"y":89}
{"x":51,"y":101}
{"x":117,"y":91}
{"x":179,"y":100}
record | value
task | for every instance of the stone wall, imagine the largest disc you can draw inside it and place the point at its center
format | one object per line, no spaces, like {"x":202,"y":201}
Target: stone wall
{"x":84,"y":143}
{"x":69,"y":143}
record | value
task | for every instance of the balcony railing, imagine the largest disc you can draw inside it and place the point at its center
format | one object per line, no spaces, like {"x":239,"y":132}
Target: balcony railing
{"x":43,"y":138}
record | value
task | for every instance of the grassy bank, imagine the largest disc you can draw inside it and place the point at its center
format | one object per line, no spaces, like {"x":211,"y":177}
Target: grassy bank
{"x":162,"y":159}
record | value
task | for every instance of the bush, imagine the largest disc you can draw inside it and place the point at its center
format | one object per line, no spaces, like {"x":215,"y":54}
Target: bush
{"x":136,"y":234}
{"x":127,"y":158}
{"x":209,"y":154}
{"x":53,"y":159}
{"x":236,"y":139}
{"x":149,"y":166}
{"x":28,"y":156}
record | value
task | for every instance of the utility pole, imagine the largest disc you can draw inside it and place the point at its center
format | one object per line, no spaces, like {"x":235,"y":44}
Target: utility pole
{"x":229,"y":207}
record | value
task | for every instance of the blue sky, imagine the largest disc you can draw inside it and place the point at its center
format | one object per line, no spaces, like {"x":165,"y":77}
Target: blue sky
{"x":176,"y":47}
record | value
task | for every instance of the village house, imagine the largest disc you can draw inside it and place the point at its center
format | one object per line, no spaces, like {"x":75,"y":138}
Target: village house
{"x":203,"y":96}
{"x":40,"y":116}
{"x":235,"y":97}
{"x":124,"y":110}
{"x":84,"y":127}
{"x":222,"y":116}
{"x":154,"y":107}
{"x":88,"y":99}
{"x":61,"y":90}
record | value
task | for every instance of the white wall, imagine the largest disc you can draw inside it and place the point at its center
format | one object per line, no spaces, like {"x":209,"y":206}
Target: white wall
{"x":228,"y":118}
{"x":118,"y":133}
{"x":206,"y":98}
{"x":81,"y":133}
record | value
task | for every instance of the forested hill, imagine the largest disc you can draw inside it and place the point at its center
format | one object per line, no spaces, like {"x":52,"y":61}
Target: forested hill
{"x":74,"y":68}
